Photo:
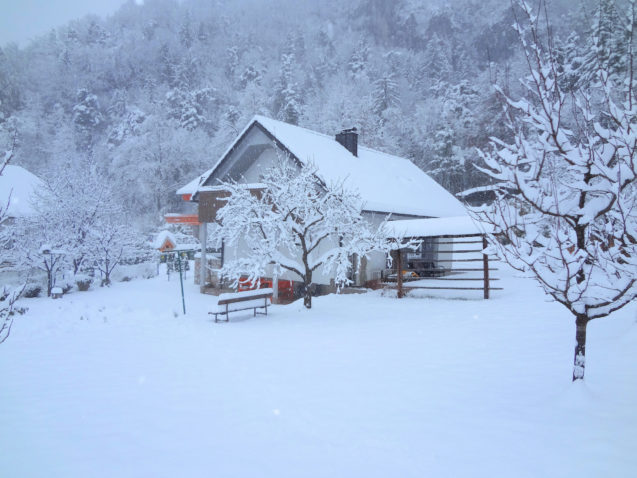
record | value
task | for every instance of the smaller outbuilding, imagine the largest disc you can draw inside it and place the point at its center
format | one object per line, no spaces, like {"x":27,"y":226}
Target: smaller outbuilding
{"x":165,"y":241}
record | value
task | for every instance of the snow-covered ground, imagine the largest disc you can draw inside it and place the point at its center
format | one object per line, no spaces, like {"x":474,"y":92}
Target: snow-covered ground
{"x":117,"y":383}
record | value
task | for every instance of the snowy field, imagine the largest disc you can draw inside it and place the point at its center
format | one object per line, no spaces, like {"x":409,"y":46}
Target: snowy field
{"x":117,"y":383}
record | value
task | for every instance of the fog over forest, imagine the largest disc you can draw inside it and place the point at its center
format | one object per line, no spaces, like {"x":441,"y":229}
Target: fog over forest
{"x":152,"y":95}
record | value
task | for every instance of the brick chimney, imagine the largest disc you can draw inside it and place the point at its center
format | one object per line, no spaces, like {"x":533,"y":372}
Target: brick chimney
{"x":349,"y":139}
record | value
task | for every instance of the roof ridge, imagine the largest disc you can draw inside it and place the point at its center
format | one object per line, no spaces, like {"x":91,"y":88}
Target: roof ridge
{"x":318,"y":133}
{"x":332,"y":137}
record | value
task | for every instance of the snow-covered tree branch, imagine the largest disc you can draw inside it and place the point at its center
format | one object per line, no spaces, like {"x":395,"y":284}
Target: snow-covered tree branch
{"x":293,"y":222}
{"x":8,"y":295}
{"x":566,"y":198}
{"x":78,"y":224}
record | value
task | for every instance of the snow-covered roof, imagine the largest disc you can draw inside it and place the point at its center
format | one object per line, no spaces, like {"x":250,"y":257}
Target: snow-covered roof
{"x":223,"y":188}
{"x":191,"y":187}
{"x":18,"y":185}
{"x":439,"y":226}
{"x":188,"y":246}
{"x":386,"y":183}
{"x":162,"y":237}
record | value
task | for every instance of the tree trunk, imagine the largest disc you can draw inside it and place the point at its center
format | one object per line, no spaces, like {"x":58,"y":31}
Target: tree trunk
{"x":579,"y":360}
{"x":307,"y":299}
{"x":399,"y":274}
{"x":49,"y":278}
{"x":49,"y":283}
{"x":76,"y":265}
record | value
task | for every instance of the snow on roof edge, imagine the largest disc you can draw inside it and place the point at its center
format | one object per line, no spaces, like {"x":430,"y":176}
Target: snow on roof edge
{"x":432,"y":227}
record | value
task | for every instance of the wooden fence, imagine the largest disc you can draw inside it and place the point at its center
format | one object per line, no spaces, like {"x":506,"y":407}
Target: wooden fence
{"x":463,"y":262}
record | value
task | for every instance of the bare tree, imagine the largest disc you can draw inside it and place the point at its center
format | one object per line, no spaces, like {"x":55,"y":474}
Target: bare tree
{"x":566,"y":207}
{"x":295,"y":223}
{"x":112,"y":241}
{"x":8,"y":295}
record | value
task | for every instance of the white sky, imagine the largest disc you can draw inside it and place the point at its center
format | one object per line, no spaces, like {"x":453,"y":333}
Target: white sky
{"x":22,"y":20}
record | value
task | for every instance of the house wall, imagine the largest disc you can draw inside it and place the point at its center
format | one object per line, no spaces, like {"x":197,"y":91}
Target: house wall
{"x":240,"y":160}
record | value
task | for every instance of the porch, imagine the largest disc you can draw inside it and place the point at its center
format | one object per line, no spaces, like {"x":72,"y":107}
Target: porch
{"x":451,"y":256}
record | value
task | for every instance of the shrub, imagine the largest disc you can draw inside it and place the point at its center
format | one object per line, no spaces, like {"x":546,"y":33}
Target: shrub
{"x":83,"y":282}
{"x":31,"y":291}
{"x":66,"y":287}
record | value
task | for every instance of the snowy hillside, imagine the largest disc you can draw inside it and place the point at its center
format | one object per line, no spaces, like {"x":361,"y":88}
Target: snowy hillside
{"x":116,"y":382}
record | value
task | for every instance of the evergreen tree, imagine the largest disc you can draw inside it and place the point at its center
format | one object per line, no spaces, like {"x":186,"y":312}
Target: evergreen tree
{"x":437,"y":64}
{"x":185,"y":36}
{"x":608,"y":44}
{"x":167,"y":65}
{"x":358,"y":62}
{"x":250,"y":75}
{"x":287,"y":101}
{"x":385,"y":94}
{"x":232,"y":61}
{"x":87,"y":119}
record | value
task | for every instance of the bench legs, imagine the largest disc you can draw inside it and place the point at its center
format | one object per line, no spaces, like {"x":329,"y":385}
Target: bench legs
{"x":216,"y":314}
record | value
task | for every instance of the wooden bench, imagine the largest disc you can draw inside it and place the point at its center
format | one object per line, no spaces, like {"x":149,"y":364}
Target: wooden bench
{"x":251,"y":299}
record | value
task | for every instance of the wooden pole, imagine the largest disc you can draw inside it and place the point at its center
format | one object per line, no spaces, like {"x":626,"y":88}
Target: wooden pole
{"x":181,"y":281}
{"x":203,"y":262}
{"x":399,"y":274}
{"x":485,"y":267}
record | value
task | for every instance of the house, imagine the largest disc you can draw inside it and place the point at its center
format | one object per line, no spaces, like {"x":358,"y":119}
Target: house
{"x":389,"y":185}
{"x":17,"y":188}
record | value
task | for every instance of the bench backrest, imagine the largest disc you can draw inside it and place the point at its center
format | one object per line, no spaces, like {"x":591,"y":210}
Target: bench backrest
{"x":242,"y":297}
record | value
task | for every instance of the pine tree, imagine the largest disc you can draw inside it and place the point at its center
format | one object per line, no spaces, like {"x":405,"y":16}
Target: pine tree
{"x":358,"y":61}
{"x":287,"y":101}
{"x":385,"y":94}
{"x":437,"y":65}
{"x":608,"y":43}
{"x":185,"y":36}
{"x":87,"y":118}
{"x":232,"y":61}
{"x":568,"y":61}
{"x":10,"y":91}
{"x":250,"y":75}
{"x":167,"y":65}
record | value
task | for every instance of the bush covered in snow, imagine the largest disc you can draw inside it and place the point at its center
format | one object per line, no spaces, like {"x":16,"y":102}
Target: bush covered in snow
{"x":83,"y":282}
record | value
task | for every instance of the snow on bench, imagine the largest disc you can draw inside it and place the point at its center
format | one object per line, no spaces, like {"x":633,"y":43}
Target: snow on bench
{"x":236,"y":301}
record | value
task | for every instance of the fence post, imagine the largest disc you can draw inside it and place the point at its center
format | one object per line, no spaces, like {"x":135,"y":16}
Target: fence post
{"x":203,"y":260}
{"x":399,"y":274}
{"x":275,"y":290}
{"x":485,"y":266}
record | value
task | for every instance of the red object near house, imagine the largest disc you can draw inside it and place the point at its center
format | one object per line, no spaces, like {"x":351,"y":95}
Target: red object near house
{"x":189,"y":219}
{"x":286,"y":288}
{"x":167,"y":245}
